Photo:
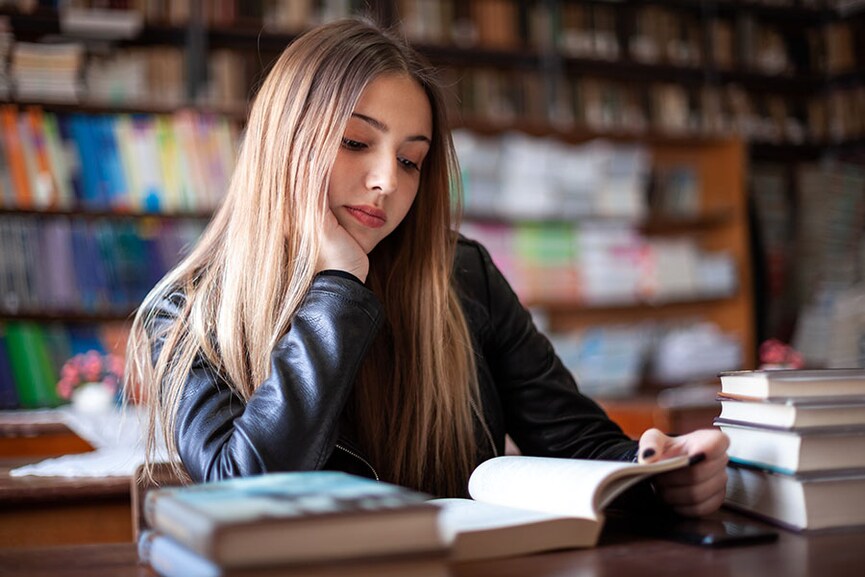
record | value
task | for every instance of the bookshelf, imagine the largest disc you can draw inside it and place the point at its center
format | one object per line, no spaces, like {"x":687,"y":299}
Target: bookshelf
{"x":562,"y":69}
{"x":102,"y":186}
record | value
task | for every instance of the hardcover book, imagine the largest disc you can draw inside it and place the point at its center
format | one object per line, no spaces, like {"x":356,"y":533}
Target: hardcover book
{"x":792,"y":413}
{"x":821,"y":500}
{"x":815,"y":383}
{"x":796,"y":450}
{"x":171,"y":559}
{"x":299,"y":517}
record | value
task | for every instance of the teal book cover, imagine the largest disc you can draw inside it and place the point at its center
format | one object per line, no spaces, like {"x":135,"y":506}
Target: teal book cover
{"x":299,"y":517}
{"x":287,"y":495}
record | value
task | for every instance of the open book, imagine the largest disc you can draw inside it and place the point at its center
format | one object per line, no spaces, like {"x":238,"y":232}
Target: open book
{"x":523,"y":505}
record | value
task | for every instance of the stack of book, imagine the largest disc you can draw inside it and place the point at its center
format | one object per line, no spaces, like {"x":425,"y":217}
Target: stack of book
{"x":311,"y":523}
{"x":797,"y":445}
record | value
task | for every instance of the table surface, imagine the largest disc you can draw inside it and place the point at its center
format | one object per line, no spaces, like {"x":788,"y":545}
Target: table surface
{"x":23,"y":491}
{"x":836,"y":554}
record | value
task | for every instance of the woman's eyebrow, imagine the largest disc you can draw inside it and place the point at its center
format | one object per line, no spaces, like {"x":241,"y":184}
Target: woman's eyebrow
{"x":382,"y":127}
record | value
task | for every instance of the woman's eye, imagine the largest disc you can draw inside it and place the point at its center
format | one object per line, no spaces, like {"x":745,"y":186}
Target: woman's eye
{"x":352,"y":144}
{"x":408,"y":164}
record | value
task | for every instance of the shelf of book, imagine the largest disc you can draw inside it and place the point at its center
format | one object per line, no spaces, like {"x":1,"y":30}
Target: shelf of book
{"x":608,"y":290}
{"x":253,"y":32}
{"x":36,"y":24}
{"x":777,"y":11}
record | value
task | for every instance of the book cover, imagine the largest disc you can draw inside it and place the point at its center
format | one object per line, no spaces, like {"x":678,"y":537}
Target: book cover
{"x":299,"y":517}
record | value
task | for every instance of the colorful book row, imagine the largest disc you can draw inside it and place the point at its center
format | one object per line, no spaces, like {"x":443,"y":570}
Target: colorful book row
{"x":604,"y":264}
{"x":125,"y":162}
{"x":60,"y":265}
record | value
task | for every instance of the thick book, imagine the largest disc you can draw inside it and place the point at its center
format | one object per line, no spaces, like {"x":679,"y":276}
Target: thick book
{"x":299,"y":517}
{"x":800,"y":502}
{"x":169,"y":558}
{"x":523,"y":505}
{"x":795,"y":450}
{"x":815,"y":383}
{"x":793,"y":413}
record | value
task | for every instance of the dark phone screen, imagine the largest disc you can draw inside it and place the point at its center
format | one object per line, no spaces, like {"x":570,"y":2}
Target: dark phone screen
{"x":712,"y":532}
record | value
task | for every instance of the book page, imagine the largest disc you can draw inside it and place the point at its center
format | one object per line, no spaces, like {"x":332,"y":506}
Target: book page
{"x":572,"y":487}
{"x":478,"y":530}
{"x":458,"y":515}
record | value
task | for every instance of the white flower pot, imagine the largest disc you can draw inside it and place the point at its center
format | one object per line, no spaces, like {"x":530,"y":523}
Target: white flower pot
{"x":92,"y":398}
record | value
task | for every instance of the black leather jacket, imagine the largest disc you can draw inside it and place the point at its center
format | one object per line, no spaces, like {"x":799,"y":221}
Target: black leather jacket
{"x":291,"y":422}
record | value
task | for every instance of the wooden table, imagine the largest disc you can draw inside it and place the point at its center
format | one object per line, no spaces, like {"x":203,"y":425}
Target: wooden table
{"x":835,"y":554}
{"x":21,"y":437}
{"x":45,"y":511}
{"x":61,"y":510}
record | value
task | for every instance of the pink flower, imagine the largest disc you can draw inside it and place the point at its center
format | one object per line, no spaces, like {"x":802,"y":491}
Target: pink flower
{"x":90,"y":367}
{"x":64,"y":388}
{"x":775,"y":353}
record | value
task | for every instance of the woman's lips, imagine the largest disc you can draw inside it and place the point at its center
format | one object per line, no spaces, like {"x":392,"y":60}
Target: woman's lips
{"x":368,"y":215}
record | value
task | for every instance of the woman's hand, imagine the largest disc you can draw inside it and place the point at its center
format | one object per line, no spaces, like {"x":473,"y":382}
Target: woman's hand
{"x":339,"y":250}
{"x":695,"y":490}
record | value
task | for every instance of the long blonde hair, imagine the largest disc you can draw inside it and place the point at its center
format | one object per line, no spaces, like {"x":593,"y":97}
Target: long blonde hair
{"x":415,"y":395}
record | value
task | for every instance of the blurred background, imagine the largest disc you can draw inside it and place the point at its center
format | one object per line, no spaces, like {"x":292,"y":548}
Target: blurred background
{"x":675,"y":188}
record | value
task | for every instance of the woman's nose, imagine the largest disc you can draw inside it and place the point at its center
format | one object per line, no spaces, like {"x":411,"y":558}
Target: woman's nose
{"x":382,"y":174}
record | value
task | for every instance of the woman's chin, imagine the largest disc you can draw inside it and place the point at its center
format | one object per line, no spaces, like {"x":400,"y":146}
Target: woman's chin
{"x":366,"y":242}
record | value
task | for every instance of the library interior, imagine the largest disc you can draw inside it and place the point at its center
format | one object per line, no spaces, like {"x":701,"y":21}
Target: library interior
{"x":675,"y":190}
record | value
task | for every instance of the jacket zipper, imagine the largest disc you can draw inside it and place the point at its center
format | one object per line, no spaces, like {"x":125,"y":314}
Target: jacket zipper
{"x":361,"y":459}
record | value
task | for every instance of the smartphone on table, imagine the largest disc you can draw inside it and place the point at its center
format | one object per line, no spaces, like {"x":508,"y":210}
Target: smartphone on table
{"x":710,"y":532}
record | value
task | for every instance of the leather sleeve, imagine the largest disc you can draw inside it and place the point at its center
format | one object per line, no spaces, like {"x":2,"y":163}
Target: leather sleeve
{"x":545,"y":413}
{"x":291,"y":420}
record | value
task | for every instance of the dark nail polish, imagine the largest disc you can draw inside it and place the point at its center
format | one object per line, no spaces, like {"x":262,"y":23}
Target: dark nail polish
{"x":648,"y":453}
{"x":698,"y":458}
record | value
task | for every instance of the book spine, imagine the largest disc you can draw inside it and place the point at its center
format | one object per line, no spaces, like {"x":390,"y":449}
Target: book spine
{"x":8,"y":392}
{"x":15,"y":155}
{"x":28,"y":366}
{"x":171,"y":559}
{"x":180,"y":522}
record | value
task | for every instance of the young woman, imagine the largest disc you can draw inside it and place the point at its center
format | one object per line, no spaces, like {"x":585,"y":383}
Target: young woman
{"x":329,"y":317}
